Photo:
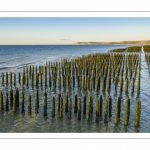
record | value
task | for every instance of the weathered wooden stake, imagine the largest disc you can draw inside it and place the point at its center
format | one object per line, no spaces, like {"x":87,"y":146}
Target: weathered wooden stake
{"x":126,"y":114}
{"x":110,"y":105}
{"x":69,"y":108}
{"x":61,"y":108}
{"x":14,"y":79}
{"x":116,"y":118}
{"x":75,"y":106}
{"x":41,"y":80}
{"x":66,"y":104}
{"x":27,"y":80}
{"x":105,"y":111}
{"x":100,"y":105}
{"x":17,"y":96}
{"x":2,"y":79}
{"x":53,"y":106}
{"x":6,"y":78}
{"x":22,"y":102}
{"x":59,"y":95}
{"x":10,"y":78}
{"x":19,"y":77}
{"x":89,"y":109}
{"x":119,"y":106}
{"x":36,"y":102}
{"x":29,"y":103}
{"x":127,"y":82}
{"x":45,"y":103}
{"x":7,"y":108}
{"x":97,"y":110}
{"x":11,"y":97}
{"x":14,"y":103}
{"x":79,"y":109}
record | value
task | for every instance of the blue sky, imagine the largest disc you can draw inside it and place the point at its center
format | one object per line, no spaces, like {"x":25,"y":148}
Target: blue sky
{"x":69,"y":30}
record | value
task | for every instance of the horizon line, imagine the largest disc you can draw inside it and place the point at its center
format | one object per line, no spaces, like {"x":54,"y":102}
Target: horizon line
{"x":65,"y":44}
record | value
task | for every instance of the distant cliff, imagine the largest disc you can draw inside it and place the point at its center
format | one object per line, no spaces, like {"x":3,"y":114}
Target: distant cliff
{"x":121,"y":42}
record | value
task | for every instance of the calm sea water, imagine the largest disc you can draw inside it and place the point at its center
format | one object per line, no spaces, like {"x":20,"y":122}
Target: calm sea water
{"x":12,"y":58}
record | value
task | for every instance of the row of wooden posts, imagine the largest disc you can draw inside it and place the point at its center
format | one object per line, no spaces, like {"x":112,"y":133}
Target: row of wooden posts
{"x":93,"y":72}
{"x":87,"y":110}
{"x":146,"y":48}
{"x":147,"y":57}
{"x":93,"y":82}
{"x":132,"y":49}
{"x":88,"y":83}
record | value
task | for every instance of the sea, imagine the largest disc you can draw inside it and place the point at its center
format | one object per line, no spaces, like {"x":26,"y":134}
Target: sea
{"x":14,"y":57}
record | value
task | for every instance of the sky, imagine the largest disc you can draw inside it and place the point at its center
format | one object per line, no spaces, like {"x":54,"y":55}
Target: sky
{"x":54,"y":30}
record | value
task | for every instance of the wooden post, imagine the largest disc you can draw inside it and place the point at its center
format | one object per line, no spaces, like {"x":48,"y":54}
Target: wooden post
{"x":66,"y":104}
{"x":97,"y":110}
{"x":45,"y":103}
{"x":137,"y":113}
{"x":116,"y":82}
{"x":23,"y":79}
{"x":61,"y":108}
{"x":127,"y":82}
{"x":32,"y":79}
{"x":59,"y":95}
{"x":103,"y":84}
{"x":17,"y":96}
{"x":105,"y":111}
{"x":10,"y":78}
{"x":69,"y":108}
{"x":73,"y":81}
{"x":138,"y":86}
{"x":36,"y":102}
{"x":59,"y":82}
{"x":100,"y":105}
{"x":14,"y":79}
{"x":133,"y":80}
{"x":75,"y":106}
{"x":79,"y":109}
{"x":7,"y":108}
{"x":50,"y":81}
{"x":2,"y":79}
{"x":116,"y":118}
{"x":19,"y":77}
{"x":36,"y":76}
{"x":119,"y":106}
{"x":22,"y":102}
{"x":41,"y":80}
{"x":110,"y":105}
{"x":6,"y":78}
{"x":14,"y":103}
{"x":11,"y":97}
{"x":26,"y":79}
{"x":29,"y":70}
{"x":126,"y":114}
{"x":109,"y":84}
{"x":53,"y":106}
{"x":91,"y":101}
{"x":89,"y":108}
{"x":29,"y":103}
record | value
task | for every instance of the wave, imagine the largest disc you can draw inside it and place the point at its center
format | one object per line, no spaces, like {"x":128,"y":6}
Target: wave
{"x":30,"y":63}
{"x":10,"y":66}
